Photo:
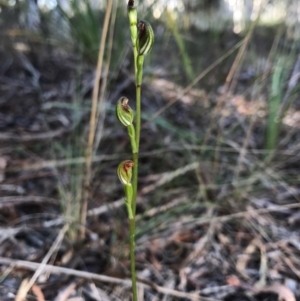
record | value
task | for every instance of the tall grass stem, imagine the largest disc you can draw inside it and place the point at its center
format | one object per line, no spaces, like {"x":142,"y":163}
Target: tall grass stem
{"x":93,"y":121}
{"x":101,"y":106}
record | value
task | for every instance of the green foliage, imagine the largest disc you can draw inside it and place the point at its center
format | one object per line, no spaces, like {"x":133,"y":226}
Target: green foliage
{"x":276,"y":94}
{"x":84,"y":24}
{"x":70,"y":189}
{"x":171,"y":24}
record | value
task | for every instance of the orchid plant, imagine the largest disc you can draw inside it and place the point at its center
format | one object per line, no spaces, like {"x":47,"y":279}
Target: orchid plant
{"x":142,"y":38}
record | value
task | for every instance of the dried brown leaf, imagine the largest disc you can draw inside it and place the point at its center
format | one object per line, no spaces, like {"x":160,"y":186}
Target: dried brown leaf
{"x":233,"y":280}
{"x":38,"y":292}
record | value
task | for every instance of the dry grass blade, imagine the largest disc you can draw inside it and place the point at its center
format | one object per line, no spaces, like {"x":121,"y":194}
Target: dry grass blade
{"x":169,"y":176}
{"x":21,"y":294}
{"x":61,"y":163}
{"x":237,"y":64}
{"x":191,"y":222}
{"x":15,"y":200}
{"x":81,"y":160}
{"x":196,"y":80}
{"x":101,"y":106}
{"x":33,"y":137}
{"x":93,"y":121}
{"x":41,"y":267}
{"x":163,"y":208}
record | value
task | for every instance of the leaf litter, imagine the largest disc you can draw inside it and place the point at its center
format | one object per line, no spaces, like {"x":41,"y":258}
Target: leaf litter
{"x":241,"y":246}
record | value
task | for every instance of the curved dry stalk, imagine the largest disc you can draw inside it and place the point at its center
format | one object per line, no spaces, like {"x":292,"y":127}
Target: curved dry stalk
{"x":93,"y":121}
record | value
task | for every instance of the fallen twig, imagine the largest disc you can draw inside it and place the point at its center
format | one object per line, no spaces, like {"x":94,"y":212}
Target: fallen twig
{"x":127,"y":282}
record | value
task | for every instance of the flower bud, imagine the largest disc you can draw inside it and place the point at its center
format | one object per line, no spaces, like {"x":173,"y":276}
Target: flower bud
{"x":125,"y":172}
{"x":132,"y":15}
{"x":130,"y":4}
{"x":123,"y":111}
{"x":145,"y":37}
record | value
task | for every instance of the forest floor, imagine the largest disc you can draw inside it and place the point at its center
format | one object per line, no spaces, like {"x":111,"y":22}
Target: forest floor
{"x":218,"y":216}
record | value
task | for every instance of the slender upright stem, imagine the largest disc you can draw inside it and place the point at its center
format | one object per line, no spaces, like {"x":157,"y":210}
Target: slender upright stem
{"x":135,"y":56}
{"x":138,"y":76}
{"x":132,"y":14}
{"x":136,"y":154}
{"x":145,"y":30}
{"x":138,"y":116}
{"x":132,"y":258}
{"x":128,"y":192}
{"x":134,"y":181}
{"x":93,"y":123}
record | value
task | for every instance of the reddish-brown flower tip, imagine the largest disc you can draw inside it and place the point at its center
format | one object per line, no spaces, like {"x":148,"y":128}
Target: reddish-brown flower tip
{"x":130,"y":3}
{"x":125,"y":172}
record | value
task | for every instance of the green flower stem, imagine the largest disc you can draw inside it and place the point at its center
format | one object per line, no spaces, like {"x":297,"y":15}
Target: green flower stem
{"x":129,"y":194}
{"x":142,"y":38}
{"x":140,"y":65}
{"x":131,"y":134}
{"x":135,"y":56}
{"x":132,"y":14}
{"x":132,"y":258}
{"x":134,"y":181}
{"x":128,"y":191}
{"x":139,"y":77}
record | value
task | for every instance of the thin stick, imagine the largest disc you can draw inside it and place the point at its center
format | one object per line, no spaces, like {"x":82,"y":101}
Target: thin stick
{"x":22,"y":294}
{"x":92,"y":130}
{"x":87,"y":275}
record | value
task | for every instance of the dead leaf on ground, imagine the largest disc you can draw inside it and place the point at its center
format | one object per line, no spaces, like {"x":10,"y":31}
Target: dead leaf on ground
{"x":38,"y":292}
{"x":233,"y":280}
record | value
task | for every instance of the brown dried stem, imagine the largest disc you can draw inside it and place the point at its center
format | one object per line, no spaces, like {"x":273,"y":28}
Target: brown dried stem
{"x":93,"y":121}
